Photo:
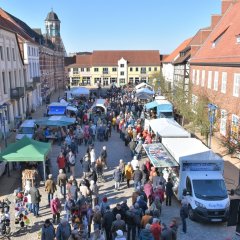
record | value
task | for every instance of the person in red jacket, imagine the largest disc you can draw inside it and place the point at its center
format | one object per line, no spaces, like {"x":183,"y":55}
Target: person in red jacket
{"x":61,"y":161}
{"x":55,"y":208}
{"x":156,"y":229}
{"x":159,"y":192}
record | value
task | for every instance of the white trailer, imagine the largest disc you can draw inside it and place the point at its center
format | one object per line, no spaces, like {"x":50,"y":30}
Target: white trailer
{"x":200,"y":176}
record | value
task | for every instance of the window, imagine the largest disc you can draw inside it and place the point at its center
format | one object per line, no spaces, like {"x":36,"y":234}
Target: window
{"x":10,"y":80}
{"x":143,"y":70}
{"x":8,"y":56}
{"x":97,"y":80}
{"x":223,"y":123}
{"x":122,"y":65}
{"x":193,"y":76}
{"x":235,"y":128}
{"x":4,"y":83}
{"x":198,"y":77}
{"x":122,"y":80}
{"x":188,"y":186}
{"x":82,"y":69}
{"x":203,"y":78}
{"x":209,"y":79}
{"x":1,"y":52}
{"x":131,"y":80}
{"x":215,"y":82}
{"x":122,"y":73}
{"x":13,"y":53}
{"x":238,"y":39}
{"x":236,"y":85}
{"x":15,"y":78}
{"x":95,"y":69}
{"x":114,"y":69}
{"x":217,"y":39}
{"x":131,"y":69}
{"x":29,"y":51}
{"x":105,"y":70}
{"x":155,"y":69}
{"x":75,"y":70}
{"x":88,"y":69}
{"x":149,"y":69}
{"x":136,"y":69}
{"x":224,"y":82}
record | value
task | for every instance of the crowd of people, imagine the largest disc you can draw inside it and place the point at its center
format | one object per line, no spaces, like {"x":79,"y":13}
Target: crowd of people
{"x":78,"y":209}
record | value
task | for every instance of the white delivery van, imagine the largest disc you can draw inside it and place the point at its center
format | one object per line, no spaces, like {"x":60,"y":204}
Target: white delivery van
{"x":27,"y":128}
{"x":200,"y":175}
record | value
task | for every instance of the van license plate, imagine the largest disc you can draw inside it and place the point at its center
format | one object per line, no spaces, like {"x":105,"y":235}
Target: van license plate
{"x":216,"y":220}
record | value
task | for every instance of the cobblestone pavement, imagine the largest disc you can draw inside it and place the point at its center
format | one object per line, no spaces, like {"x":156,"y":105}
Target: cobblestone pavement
{"x":116,"y":151}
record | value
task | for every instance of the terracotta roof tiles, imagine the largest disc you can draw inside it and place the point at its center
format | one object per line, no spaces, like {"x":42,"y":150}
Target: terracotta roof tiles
{"x":221,"y":46}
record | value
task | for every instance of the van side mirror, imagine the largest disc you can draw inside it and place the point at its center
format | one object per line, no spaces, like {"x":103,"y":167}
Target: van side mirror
{"x":232,"y":192}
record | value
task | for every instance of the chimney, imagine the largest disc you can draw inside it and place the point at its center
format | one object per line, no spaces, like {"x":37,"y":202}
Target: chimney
{"x":214,"y":20}
{"x":225,"y":5}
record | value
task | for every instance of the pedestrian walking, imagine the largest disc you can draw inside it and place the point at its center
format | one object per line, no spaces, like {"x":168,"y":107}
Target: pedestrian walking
{"x":169,"y":192}
{"x":48,"y":231}
{"x":61,"y":161}
{"x":71,"y":161}
{"x":135,"y":163}
{"x":55,"y":208}
{"x":107,"y":221}
{"x":184,"y":215}
{"x":146,"y":233}
{"x":35,"y":199}
{"x":63,"y":230}
{"x":62,"y":182}
{"x":128,"y":173}
{"x":137,"y":177}
{"x":94,"y":192}
{"x":103,"y":156}
{"x":85,"y":166}
{"x":166,"y":233}
{"x":50,"y":188}
{"x":122,"y":169}
{"x":117,"y":176}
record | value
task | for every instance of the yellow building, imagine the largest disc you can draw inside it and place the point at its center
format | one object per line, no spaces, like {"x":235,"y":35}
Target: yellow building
{"x":107,"y":67}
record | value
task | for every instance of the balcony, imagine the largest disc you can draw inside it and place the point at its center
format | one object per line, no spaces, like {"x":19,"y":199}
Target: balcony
{"x":16,"y":93}
{"x":36,"y":80}
{"x":29,"y":86}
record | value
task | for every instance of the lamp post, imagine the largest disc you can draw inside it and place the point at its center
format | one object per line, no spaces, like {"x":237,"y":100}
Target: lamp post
{"x":3,"y":109}
{"x":211,"y":117}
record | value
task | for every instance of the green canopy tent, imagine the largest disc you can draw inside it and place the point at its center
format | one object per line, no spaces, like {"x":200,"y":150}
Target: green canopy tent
{"x":55,"y":121}
{"x":26,"y":150}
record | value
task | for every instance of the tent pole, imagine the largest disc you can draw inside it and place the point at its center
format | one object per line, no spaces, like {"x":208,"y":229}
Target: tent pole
{"x":44,"y":170}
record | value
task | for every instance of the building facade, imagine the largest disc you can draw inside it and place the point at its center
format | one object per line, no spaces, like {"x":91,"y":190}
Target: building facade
{"x":107,"y":67}
{"x":215,"y":71}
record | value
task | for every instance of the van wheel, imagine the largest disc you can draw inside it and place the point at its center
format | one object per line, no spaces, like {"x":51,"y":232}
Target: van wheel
{"x":191,"y":213}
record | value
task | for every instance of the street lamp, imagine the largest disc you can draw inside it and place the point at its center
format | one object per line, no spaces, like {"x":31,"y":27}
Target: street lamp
{"x":3,"y":110}
{"x":211,"y":117}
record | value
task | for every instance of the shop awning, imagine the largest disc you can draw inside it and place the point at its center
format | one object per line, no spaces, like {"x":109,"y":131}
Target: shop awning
{"x":55,"y":121}
{"x":159,"y":156}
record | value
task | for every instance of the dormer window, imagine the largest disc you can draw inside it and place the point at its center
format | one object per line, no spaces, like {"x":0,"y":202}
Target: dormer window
{"x":238,"y":39}
{"x":218,"y":38}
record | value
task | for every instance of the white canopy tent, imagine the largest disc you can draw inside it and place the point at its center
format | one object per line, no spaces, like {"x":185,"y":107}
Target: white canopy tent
{"x":143,"y":85}
{"x":80,"y":91}
{"x":168,"y":128}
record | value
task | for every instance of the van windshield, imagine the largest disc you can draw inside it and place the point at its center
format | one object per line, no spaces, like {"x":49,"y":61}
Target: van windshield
{"x":166,"y":115}
{"x":210,"y":189}
{"x":26,"y":130}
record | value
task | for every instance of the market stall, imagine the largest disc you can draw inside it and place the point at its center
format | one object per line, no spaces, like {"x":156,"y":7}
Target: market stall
{"x":80,"y":91}
{"x":27,"y":150}
{"x":143,"y":85}
{"x":55,"y":121}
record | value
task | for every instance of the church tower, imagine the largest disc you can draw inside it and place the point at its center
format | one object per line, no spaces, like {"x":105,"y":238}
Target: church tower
{"x":52,"y":24}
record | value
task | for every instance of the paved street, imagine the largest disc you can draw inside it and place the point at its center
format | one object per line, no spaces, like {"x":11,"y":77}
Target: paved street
{"x":117,"y":151}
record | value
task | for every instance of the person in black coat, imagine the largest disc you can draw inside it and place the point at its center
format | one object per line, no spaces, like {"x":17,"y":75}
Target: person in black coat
{"x":107,"y":221}
{"x":137,"y":177}
{"x":169,"y":192}
{"x":118,"y":210}
{"x":86,"y":167}
{"x":92,"y":175}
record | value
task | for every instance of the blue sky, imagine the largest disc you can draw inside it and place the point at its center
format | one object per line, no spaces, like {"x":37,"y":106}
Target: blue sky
{"x":88,"y":25}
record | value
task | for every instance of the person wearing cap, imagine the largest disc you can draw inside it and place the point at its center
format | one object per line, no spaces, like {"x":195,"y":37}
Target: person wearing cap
{"x":120,"y":235}
{"x":55,"y":208}
{"x":104,"y":204}
{"x":107,"y":220}
{"x":137,"y":177}
{"x":48,"y":231}
{"x":63,"y":230}
{"x":146,"y":233}
{"x":50,"y":188}
{"x":128,"y":173}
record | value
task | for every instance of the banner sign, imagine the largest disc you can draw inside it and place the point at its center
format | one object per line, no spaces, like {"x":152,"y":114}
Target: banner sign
{"x":159,"y":156}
